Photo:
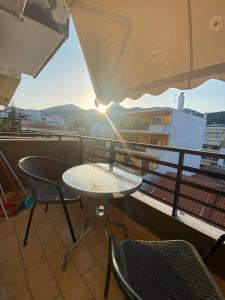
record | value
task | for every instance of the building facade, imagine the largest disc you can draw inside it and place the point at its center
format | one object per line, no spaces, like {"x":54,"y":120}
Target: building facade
{"x":214,"y":141}
{"x":164,"y":127}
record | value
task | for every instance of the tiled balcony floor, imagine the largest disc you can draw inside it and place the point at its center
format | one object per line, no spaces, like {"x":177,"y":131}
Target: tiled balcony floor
{"x":34,"y":272}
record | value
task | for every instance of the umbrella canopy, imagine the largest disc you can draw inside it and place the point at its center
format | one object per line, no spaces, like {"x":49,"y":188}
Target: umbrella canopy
{"x":14,"y":7}
{"x":134,"y":47}
{"x":9,"y":81}
{"x":27,"y":45}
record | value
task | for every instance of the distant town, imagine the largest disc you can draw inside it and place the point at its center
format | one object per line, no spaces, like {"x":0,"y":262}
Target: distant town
{"x":164,"y":126}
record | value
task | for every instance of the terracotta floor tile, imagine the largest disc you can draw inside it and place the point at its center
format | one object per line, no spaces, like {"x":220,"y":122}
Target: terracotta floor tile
{"x":32,"y":254}
{"x":64,"y":234}
{"x":100,"y":252}
{"x":12,"y":277}
{"x":72,"y":284}
{"x":95,"y":279}
{"x":6,"y":227}
{"x":9,"y":248}
{"x":83,"y":259}
{"x":22,"y":216}
{"x":135,"y":230}
{"x":39,"y":214}
{"x":23,"y":296}
{"x":60,"y":297}
{"x":21,"y":228}
{"x":56,"y":216}
{"x":42,"y":282}
{"x":54,"y":251}
{"x":91,"y":239}
{"x":45,"y":230}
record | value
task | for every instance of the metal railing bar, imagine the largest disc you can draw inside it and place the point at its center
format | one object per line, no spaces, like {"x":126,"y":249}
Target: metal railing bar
{"x":89,"y":159}
{"x":97,"y":148}
{"x":218,"y":225}
{"x":203,"y":188}
{"x":203,"y":172}
{"x":97,"y":155}
{"x":158,"y":186}
{"x":203,"y":203}
{"x":184,"y":210}
{"x":142,"y":157}
{"x":156,"y":197}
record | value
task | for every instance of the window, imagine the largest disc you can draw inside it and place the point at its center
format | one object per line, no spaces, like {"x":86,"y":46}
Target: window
{"x":157,"y":121}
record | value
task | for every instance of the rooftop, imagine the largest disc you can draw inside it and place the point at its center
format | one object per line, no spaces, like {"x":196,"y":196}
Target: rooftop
{"x":199,"y":209}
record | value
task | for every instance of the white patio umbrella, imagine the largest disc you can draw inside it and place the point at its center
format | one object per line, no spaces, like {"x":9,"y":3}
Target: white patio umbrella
{"x":14,"y":7}
{"x":134,"y":47}
{"x":27,"y":45}
{"x":9,"y":81}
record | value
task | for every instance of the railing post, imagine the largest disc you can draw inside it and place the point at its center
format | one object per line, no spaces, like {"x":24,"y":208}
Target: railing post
{"x":80,"y":150}
{"x":112,"y":152}
{"x":178,"y":182}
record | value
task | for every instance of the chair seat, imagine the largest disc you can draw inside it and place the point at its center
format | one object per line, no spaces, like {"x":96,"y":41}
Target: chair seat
{"x":166,"y":270}
{"x":49,"y":194}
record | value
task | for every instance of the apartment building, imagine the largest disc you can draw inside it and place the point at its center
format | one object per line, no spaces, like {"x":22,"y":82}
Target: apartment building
{"x":214,"y":141}
{"x":166,"y":127}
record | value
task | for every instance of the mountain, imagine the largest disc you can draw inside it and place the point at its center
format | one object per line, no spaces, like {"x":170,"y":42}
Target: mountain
{"x":216,"y":118}
{"x":66,"y":111}
{"x":71,"y":111}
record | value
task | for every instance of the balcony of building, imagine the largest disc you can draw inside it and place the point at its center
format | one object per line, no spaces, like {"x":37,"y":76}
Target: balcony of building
{"x":145,"y":128}
{"x":170,"y":205}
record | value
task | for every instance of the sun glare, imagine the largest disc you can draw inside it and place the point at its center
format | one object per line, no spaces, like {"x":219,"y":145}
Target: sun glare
{"x":102,"y":108}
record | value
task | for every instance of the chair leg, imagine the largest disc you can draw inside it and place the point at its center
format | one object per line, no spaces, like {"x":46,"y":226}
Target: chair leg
{"x":108,"y":275}
{"x":28,"y":224}
{"x":81,"y":204}
{"x":46,"y":208}
{"x":69,"y":222}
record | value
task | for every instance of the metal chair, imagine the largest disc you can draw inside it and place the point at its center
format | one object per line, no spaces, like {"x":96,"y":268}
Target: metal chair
{"x":46,"y":191}
{"x":161,"y":270}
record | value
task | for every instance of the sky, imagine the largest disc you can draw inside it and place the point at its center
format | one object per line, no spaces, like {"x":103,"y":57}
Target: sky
{"x":65,"y":80}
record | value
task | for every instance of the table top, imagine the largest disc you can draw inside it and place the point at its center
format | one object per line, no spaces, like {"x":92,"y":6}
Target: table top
{"x":102,"y":180}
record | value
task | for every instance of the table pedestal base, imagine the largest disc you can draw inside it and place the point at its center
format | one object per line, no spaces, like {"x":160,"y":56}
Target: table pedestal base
{"x":100,"y":211}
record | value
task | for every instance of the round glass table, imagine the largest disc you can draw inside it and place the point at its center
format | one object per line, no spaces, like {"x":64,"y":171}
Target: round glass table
{"x":101,"y":181}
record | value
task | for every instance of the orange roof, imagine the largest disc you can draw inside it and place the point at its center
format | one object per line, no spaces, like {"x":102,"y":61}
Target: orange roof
{"x":191,"y":206}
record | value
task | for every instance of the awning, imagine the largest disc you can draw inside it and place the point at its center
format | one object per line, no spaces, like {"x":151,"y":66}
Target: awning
{"x":14,"y":7}
{"x":133,"y":47}
{"x":9,"y":81}
{"x":27,"y":45}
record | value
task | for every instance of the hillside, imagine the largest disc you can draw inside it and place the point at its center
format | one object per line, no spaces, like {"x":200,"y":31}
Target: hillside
{"x":71,"y":111}
{"x":216,"y":118}
{"x":66,"y":111}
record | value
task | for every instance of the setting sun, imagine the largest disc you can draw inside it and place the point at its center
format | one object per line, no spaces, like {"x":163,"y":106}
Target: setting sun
{"x":102,"y":108}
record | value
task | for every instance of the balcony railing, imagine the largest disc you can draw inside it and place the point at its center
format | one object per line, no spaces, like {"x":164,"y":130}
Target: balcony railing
{"x":156,"y":129}
{"x":92,"y":149}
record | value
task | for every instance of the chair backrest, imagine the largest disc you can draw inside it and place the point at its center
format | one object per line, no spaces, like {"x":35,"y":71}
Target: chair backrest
{"x":119,"y":276}
{"x":31,"y":168}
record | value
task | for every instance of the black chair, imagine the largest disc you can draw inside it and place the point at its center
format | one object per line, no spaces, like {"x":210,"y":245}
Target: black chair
{"x":161,"y":270}
{"x":46,"y":191}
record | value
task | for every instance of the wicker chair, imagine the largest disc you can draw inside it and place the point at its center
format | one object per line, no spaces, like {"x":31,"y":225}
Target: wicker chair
{"x":161,"y":270}
{"x":47,"y":191}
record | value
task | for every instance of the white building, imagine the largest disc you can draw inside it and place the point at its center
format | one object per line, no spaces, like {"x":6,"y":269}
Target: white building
{"x":165,"y":127}
{"x":214,"y":141}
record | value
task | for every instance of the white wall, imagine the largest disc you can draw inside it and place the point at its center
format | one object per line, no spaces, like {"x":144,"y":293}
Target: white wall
{"x":187,"y":131}
{"x":221,"y":162}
